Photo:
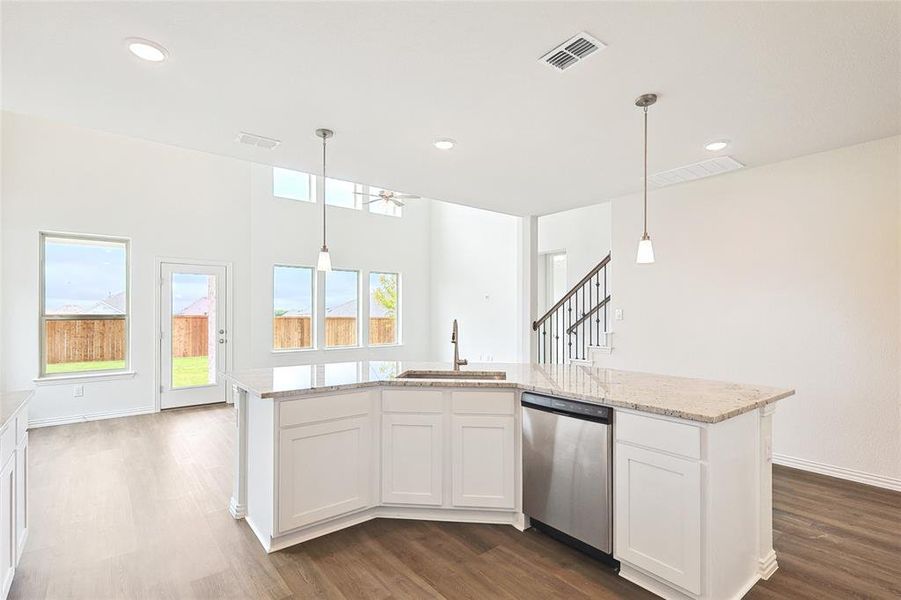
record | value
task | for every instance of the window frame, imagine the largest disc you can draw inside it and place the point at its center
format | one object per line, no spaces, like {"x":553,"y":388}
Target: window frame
{"x":398,"y":340}
{"x":311,"y":186}
{"x":359,"y":317}
{"x":314,"y":325}
{"x":43,"y":236}
{"x":358,"y":188}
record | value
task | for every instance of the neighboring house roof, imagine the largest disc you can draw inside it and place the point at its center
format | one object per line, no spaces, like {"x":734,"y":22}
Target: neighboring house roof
{"x":298,"y":312}
{"x":200,"y":307}
{"x":114,"y":304}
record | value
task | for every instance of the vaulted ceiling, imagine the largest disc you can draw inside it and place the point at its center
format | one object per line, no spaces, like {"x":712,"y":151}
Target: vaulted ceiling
{"x":777,"y":79}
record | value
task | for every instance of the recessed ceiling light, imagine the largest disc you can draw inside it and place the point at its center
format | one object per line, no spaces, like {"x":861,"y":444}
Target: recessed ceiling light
{"x":147,"y":50}
{"x":717,"y":145}
{"x":444,"y":143}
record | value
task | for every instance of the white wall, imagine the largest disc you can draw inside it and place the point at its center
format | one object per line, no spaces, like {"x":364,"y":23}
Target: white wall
{"x":583,"y":233}
{"x":783,"y":275}
{"x":474,"y":279}
{"x":290,"y":232}
{"x":178,"y":203}
{"x":168,"y":201}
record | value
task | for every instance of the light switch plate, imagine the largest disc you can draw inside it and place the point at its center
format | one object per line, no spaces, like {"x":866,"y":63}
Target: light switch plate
{"x":618,"y":314}
{"x":79,"y":390}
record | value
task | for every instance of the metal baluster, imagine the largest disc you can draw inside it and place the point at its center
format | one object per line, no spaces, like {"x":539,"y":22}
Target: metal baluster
{"x":605,"y":307}
{"x":583,"y":323}
{"x":591,"y":305}
{"x":597,"y":316}
{"x":569,"y":322}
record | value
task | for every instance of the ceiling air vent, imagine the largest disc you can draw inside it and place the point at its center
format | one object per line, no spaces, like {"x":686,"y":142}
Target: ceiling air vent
{"x":705,"y":168}
{"x":572,"y":51}
{"x":252,"y":139}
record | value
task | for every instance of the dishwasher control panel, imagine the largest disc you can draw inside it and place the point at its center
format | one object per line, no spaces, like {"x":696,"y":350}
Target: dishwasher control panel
{"x":568,"y":406}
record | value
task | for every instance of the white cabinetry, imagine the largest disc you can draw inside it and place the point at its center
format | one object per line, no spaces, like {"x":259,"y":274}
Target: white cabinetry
{"x":483,"y":445}
{"x":8,"y":522}
{"x":658,"y":514}
{"x":324,"y":459}
{"x":412,"y":458}
{"x":483,"y":461}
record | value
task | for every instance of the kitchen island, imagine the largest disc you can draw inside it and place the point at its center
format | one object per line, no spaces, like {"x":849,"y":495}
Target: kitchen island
{"x":324,"y":447}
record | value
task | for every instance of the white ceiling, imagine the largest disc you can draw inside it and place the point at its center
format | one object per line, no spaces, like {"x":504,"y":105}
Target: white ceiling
{"x":779,"y":79}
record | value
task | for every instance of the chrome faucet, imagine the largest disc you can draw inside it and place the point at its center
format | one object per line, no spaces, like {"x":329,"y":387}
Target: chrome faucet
{"x":458,"y":362}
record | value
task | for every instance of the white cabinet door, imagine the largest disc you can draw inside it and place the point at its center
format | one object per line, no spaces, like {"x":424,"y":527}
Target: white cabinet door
{"x":7,"y":524}
{"x":21,"y":495}
{"x":323,"y":471}
{"x":483,"y":461}
{"x":657,"y":514}
{"x":412,"y":458}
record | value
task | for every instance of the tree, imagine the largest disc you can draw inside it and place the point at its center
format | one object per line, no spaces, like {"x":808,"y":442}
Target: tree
{"x":386,"y":294}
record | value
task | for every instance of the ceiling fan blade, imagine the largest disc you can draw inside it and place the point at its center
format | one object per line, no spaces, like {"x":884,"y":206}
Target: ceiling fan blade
{"x":369,"y":195}
{"x":398,"y":203}
{"x":407,"y":196}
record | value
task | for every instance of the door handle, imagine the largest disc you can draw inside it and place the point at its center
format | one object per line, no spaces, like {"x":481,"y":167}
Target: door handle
{"x":221,"y":341}
{"x":221,"y":331}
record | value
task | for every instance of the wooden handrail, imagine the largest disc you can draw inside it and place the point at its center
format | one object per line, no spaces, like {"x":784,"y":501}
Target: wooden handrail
{"x":581,"y":319}
{"x":571,"y":293}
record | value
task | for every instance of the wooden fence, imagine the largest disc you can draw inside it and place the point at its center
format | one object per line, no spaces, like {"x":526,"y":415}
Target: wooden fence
{"x":88,"y":340}
{"x":296,"y":332}
{"x":85,"y":340}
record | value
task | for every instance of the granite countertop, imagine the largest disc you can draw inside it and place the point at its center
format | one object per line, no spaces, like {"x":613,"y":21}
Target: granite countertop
{"x":10,"y":402}
{"x":693,"y":399}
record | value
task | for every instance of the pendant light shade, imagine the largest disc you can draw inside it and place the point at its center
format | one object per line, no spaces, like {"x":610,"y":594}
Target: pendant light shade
{"x":645,"y":251}
{"x":324,"y":263}
{"x":645,"y":247}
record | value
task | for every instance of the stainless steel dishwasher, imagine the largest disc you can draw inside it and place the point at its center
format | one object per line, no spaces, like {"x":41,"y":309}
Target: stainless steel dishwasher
{"x":567,"y":451}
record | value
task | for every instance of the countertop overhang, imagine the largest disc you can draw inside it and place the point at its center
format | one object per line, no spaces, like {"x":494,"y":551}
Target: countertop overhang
{"x":699,"y":400}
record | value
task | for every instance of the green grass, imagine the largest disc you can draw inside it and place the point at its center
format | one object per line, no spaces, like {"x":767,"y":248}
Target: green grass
{"x":186,"y":371}
{"x":75,"y":367}
{"x":190,"y":370}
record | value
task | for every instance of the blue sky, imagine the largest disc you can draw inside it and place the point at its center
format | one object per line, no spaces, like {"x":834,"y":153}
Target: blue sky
{"x":188,"y":288}
{"x":292,"y":287}
{"x":81,"y":274}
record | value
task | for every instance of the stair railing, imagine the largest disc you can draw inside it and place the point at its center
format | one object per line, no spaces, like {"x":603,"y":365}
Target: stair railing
{"x":577,"y":321}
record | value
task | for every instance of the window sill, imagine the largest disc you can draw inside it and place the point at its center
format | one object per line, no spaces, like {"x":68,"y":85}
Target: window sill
{"x":397,"y":345}
{"x":61,"y":379}
{"x":291,"y":350}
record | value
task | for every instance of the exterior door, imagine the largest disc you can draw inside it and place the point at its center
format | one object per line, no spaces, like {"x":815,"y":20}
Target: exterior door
{"x":193,"y":335}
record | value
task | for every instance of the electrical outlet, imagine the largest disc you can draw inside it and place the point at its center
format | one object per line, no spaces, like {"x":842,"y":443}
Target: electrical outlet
{"x":79,"y":390}
{"x":618,"y":314}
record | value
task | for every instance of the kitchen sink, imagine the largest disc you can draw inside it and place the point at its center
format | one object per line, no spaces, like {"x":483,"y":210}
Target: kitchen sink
{"x":479,"y":375}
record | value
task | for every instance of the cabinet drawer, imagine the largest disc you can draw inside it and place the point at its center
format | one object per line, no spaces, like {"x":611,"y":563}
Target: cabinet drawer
{"x":677,"y":438}
{"x":21,"y":424}
{"x":412,"y":401}
{"x":484,"y":403}
{"x":324,"y":408}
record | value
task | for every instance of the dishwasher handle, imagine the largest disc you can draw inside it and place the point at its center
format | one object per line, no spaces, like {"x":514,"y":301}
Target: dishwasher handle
{"x":568,"y":408}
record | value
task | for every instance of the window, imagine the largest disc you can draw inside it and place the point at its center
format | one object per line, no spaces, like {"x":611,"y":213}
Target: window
{"x":383,"y":308}
{"x":293,"y":185}
{"x":292,"y":307}
{"x":381,"y":207}
{"x":341,"y":193}
{"x":342,"y":308}
{"x":84,"y":304}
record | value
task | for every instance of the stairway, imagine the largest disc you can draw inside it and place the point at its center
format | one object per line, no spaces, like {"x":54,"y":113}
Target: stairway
{"x":576,"y":327}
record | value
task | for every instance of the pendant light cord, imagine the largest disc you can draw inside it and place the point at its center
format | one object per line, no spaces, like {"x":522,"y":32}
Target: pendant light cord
{"x":324,"y":246}
{"x":645,"y":172}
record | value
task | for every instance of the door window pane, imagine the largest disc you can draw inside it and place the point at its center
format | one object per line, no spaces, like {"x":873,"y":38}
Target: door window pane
{"x":340,"y":193}
{"x":84,"y":308}
{"x":193,"y":330}
{"x":292,"y":308}
{"x":383,"y":308}
{"x":293,"y":185}
{"x":342,"y":308}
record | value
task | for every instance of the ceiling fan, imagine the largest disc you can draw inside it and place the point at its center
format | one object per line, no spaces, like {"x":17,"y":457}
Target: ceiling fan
{"x":387,"y":196}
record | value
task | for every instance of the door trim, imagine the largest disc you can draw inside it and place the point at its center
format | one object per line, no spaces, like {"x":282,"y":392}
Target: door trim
{"x":158,"y":263}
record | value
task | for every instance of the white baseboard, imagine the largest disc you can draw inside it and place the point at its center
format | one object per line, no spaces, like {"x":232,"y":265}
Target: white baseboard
{"x":889,"y":483}
{"x":98,"y":416}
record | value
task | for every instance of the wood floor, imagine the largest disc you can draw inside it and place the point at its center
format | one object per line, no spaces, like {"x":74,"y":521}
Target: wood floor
{"x":135,"y":508}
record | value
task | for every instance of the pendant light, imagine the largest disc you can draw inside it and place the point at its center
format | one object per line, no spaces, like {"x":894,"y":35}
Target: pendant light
{"x":325,"y":262}
{"x":645,"y":248}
